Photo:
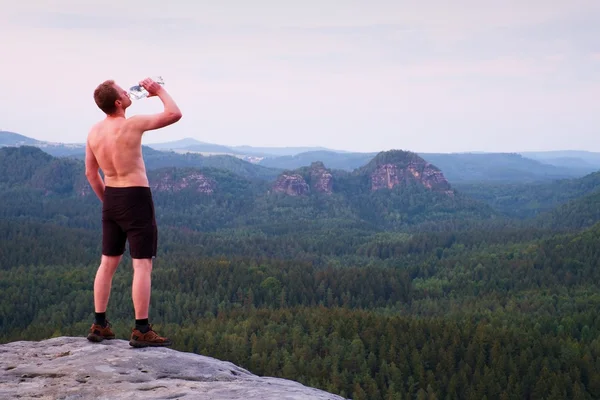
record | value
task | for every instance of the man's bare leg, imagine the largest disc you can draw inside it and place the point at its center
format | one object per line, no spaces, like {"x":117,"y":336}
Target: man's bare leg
{"x":141,"y":286}
{"x":143,"y":335}
{"x":103,"y":281}
{"x":100,"y":329}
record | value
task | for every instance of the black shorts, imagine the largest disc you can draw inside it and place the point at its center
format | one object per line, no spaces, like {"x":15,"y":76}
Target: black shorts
{"x":128,"y":215}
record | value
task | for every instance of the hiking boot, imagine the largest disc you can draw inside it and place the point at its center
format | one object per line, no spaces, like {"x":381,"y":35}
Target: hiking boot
{"x":148,"y":339}
{"x":98,"y":332}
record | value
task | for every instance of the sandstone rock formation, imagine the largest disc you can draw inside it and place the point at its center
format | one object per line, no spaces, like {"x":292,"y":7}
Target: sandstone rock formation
{"x":390,"y":174}
{"x":73,"y":368}
{"x":321,"y":179}
{"x":174,"y":182}
{"x":291,"y":184}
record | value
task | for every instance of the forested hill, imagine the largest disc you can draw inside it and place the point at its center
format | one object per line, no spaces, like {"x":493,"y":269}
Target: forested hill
{"x":538,"y":199}
{"x":396,"y":190}
{"x":578,"y":213}
{"x":31,"y":168}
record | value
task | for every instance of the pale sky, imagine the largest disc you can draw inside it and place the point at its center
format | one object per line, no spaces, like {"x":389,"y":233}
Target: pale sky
{"x":424,"y":76}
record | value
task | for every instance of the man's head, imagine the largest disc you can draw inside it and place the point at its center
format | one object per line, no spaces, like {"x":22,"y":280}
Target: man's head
{"x":111,"y":98}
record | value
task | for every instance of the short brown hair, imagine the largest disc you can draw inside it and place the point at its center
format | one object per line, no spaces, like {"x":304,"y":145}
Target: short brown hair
{"x":105,"y":96}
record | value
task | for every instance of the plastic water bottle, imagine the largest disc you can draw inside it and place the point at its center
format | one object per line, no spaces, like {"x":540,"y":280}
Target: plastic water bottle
{"x":138,"y":92}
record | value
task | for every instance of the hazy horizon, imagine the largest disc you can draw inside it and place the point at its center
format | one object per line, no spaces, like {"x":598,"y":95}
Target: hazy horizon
{"x":362,"y":76}
{"x":146,"y":143}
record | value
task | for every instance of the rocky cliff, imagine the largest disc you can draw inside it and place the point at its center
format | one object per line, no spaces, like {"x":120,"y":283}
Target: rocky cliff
{"x":291,"y":184}
{"x":315,"y":178}
{"x":175,"y":180}
{"x":393,"y":168}
{"x":321,"y":178}
{"x":73,"y":368}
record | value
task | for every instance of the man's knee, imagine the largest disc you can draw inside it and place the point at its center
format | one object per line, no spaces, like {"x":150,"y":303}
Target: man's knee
{"x":142,"y":263}
{"x":111,"y":262}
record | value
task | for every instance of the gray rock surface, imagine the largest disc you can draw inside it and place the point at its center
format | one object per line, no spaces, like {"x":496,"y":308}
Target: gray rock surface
{"x":71,"y":368}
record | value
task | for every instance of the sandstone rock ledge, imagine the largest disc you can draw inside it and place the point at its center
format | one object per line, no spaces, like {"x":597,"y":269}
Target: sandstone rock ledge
{"x":71,"y":368}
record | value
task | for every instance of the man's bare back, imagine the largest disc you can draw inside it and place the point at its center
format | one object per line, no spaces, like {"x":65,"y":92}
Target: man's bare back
{"x":114,"y":144}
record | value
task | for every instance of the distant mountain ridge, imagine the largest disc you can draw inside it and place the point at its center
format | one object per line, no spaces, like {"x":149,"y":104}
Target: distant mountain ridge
{"x":500,"y":167}
{"x":57,"y":149}
{"x":567,"y":158}
{"x":190,"y":144}
{"x":457,"y":167}
{"x":16,"y":139}
{"x":267,"y":162}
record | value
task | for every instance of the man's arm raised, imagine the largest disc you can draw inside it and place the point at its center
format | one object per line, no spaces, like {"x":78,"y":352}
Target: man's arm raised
{"x":169,"y":116}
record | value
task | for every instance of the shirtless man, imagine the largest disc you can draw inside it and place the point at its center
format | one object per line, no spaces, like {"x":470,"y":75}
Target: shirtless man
{"x":114,"y":145}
